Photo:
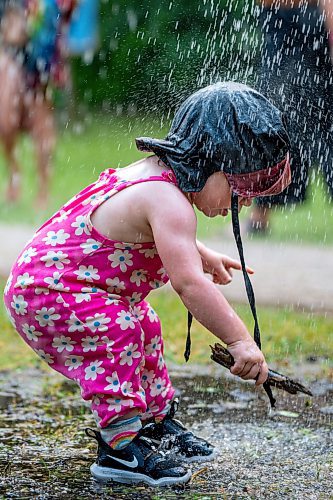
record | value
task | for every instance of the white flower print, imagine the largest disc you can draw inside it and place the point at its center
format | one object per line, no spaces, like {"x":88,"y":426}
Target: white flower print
{"x":81,"y":297}
{"x":109,"y":343}
{"x":8,"y":284}
{"x":140,"y":366}
{"x":57,"y":259}
{"x":19,"y":305}
{"x":81,"y":225}
{"x":63,"y":215}
{"x":63,"y":343}
{"x":111,"y":299}
{"x":26,"y":256}
{"x":114,"y":383}
{"x":153,"y":318}
{"x":134,"y":298}
{"x":45,"y":356}
{"x":127,"y":246}
{"x":121,"y":259}
{"x":90,"y":246}
{"x":152,"y":410}
{"x":90,"y":289}
{"x":157,"y":386}
{"x":75,"y":325}
{"x":98,"y":322}
{"x":128,"y":354}
{"x":162,"y":272}
{"x":46,"y":317}
{"x":90,"y":343}
{"x":54,"y":238}
{"x":138,"y":276}
{"x":125,"y":320}
{"x":93,"y":370}
{"x":115,"y":285}
{"x":54,"y":282}
{"x":137,"y":312}
{"x":93,"y":199}
{"x":85,"y":296}
{"x":160,"y":362}
{"x":126,"y":388}
{"x":39,"y":290}
{"x":60,"y":300}
{"x":117,"y":403}
{"x":87,"y":273}
{"x":96,"y":417}
{"x":166,"y":390}
{"x":153,"y":346}
{"x":149,"y":253}
{"x":31,"y":333}
{"x":74,"y":362}
{"x":24,"y":280}
{"x":156,"y":284}
{"x":147,"y":378}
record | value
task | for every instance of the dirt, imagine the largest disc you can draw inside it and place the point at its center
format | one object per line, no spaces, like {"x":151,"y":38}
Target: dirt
{"x":285,"y":453}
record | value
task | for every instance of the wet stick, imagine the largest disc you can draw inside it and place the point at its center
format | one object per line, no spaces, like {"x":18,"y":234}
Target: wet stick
{"x":222,"y":356}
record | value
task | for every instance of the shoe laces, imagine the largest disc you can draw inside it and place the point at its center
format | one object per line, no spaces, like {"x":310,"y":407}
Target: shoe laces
{"x":155,"y":446}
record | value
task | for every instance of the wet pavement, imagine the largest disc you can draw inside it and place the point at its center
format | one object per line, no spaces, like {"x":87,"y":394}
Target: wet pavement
{"x":285,"y":453}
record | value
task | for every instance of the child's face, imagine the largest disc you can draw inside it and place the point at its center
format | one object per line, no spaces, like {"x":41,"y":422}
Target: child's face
{"x":215,"y":198}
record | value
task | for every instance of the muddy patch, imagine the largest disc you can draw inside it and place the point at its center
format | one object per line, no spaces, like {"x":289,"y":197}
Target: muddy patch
{"x":288,"y":453}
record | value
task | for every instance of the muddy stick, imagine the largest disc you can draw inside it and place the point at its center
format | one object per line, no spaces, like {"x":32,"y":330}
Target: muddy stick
{"x":222,"y":356}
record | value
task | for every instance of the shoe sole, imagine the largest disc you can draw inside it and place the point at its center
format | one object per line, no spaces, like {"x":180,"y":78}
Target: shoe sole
{"x":198,"y":458}
{"x":104,"y":474}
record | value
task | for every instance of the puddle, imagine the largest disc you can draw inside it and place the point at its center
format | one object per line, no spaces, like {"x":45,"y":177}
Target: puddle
{"x":287,"y":453}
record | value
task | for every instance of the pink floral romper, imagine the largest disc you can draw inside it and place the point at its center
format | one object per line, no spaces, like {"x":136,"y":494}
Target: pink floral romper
{"x":77,"y":298}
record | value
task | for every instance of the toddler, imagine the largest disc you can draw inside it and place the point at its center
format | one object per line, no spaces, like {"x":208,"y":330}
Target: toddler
{"x":77,"y":293}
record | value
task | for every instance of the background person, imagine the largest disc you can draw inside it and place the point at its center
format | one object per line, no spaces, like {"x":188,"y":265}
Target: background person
{"x":296,"y":74}
{"x":31,"y":58}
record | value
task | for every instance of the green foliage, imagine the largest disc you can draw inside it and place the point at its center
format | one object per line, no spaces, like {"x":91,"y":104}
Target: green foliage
{"x":159,"y":51}
{"x":286,"y":335}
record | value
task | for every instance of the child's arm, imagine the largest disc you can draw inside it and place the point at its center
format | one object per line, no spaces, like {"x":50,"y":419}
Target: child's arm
{"x":173,"y":223}
{"x":218,"y":265}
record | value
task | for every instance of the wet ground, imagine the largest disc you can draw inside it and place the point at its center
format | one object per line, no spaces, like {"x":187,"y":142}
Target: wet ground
{"x":288,"y":453}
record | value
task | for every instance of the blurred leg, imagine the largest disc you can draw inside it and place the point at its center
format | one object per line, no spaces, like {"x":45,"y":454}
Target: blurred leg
{"x":11,"y":110}
{"x":44,"y":137}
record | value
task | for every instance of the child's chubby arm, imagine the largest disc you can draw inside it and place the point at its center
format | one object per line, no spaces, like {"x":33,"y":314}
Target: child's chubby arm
{"x":173,"y":223}
{"x":218,"y":265}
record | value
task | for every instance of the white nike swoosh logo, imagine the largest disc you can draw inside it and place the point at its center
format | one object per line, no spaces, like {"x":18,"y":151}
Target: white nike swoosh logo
{"x":131,"y":464}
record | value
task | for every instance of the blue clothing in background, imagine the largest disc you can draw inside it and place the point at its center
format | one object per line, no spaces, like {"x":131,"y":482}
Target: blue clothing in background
{"x":83,"y":29}
{"x":41,"y":49}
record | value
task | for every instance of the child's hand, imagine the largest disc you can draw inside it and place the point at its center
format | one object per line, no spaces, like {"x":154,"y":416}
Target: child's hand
{"x":220,"y":266}
{"x":249,"y":361}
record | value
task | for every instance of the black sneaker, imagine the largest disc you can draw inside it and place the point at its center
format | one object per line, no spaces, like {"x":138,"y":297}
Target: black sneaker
{"x":178,"y":439}
{"x":140,"y":461}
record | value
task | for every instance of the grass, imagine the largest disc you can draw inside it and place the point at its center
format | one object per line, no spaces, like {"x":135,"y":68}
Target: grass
{"x":286,"y":335}
{"x":108,"y":141}
{"x":100,"y":142}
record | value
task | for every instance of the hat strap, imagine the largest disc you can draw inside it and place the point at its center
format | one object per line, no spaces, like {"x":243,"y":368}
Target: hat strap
{"x":188,"y":338}
{"x":248,"y":284}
